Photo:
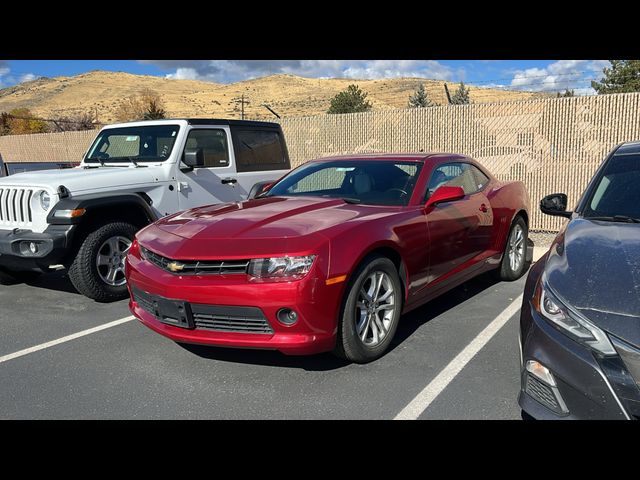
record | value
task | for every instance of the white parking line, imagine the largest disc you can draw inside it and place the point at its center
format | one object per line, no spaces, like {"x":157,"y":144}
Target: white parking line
{"x":68,"y":338}
{"x":420,"y":403}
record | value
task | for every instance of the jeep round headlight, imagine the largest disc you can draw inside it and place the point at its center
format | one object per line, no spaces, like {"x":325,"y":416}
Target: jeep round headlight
{"x":45,"y":200}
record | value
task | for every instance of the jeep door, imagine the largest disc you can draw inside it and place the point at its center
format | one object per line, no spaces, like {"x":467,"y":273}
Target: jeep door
{"x":217,"y":180}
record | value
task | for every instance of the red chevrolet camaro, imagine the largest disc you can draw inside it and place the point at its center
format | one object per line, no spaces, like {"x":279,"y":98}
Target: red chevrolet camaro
{"x":330,"y":256}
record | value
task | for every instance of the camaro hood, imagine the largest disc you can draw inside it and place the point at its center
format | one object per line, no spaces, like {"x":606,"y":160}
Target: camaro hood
{"x":268,"y":218}
{"x":255,"y":227}
{"x":81,"y":180}
{"x":595,"y":267}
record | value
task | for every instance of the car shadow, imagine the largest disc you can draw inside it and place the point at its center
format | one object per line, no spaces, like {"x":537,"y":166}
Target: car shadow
{"x":413,"y":320}
{"x":409,"y":323}
{"x":57,"y":281}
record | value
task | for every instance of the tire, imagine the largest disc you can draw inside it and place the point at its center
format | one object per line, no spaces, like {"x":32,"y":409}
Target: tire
{"x":506,"y":271}
{"x":90,"y":279}
{"x":349,"y":344}
{"x":13,"y":278}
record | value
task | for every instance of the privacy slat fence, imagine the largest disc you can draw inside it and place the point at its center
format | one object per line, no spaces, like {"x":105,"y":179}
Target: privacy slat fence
{"x":552,"y":145}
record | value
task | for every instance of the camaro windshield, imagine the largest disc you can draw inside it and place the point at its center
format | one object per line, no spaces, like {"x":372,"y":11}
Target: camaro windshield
{"x":617,"y":190}
{"x":373,"y":182}
{"x":152,"y":143}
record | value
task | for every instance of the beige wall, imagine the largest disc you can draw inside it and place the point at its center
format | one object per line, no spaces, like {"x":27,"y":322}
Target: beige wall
{"x":552,"y":145}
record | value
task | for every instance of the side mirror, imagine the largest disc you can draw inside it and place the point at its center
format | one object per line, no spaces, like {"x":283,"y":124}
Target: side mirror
{"x":445,"y":194}
{"x":258,"y":189}
{"x":555,"y":205}
{"x":194,"y":158}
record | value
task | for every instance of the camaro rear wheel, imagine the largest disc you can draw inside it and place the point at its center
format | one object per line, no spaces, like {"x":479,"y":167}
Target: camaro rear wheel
{"x":514,"y":261}
{"x":97,"y":271}
{"x":371,"y":312}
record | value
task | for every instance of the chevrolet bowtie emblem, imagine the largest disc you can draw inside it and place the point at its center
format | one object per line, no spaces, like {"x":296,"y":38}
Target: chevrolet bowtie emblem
{"x":175,"y":266}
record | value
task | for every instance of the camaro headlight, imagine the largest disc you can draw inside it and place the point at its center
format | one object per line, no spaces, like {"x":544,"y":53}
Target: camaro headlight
{"x":568,"y":320}
{"x":281,"y":267}
{"x":45,"y":200}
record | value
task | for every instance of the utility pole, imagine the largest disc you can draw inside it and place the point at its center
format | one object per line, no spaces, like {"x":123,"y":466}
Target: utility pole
{"x":446,"y":89}
{"x":270,"y":109}
{"x":242,"y":102}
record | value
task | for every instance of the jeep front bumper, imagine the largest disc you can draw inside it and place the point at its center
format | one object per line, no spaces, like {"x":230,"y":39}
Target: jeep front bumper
{"x":24,"y":250}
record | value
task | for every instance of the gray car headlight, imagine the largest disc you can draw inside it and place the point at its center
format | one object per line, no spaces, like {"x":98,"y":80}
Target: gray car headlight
{"x":568,"y":320}
{"x":280,"y":267}
{"x":45,"y":200}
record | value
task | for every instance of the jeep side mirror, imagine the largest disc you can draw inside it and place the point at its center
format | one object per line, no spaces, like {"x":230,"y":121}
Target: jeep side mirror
{"x":555,"y":205}
{"x":443,"y":194}
{"x":194,"y":158}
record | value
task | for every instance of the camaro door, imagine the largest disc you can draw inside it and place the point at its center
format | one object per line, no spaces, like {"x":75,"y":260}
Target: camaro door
{"x":458,"y":230}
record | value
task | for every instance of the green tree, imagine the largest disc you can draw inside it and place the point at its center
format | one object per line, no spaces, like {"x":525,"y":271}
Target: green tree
{"x":22,"y":121}
{"x":419,"y":98}
{"x":622,"y":77}
{"x":351,"y":100}
{"x":567,"y":93}
{"x":461,"y":96}
{"x":155,"y":111}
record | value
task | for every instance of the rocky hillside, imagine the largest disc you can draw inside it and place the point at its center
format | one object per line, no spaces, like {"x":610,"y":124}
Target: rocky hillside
{"x":101,"y":92}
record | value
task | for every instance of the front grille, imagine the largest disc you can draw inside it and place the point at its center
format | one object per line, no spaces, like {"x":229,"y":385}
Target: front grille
{"x":542,"y":393}
{"x":230,"y":319}
{"x":15,"y":206}
{"x":196,"y":267}
{"x":221,"y":318}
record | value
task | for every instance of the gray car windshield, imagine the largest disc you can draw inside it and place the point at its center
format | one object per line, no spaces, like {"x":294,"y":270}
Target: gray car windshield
{"x":616,"y":192}
{"x":152,"y":143}
{"x":373,"y":182}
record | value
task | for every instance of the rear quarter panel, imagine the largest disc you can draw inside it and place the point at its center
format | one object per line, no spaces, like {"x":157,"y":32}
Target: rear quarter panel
{"x":507,"y":200}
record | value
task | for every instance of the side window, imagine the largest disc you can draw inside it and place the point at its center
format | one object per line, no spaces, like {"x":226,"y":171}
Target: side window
{"x":457,"y":175}
{"x":481,"y":179}
{"x":213,"y":142}
{"x":259,"y":150}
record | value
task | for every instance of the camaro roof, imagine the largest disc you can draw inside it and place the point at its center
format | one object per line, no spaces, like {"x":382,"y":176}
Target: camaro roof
{"x":405,"y":157}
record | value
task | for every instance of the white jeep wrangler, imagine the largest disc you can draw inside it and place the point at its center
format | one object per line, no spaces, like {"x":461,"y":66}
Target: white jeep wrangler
{"x":85,"y":218}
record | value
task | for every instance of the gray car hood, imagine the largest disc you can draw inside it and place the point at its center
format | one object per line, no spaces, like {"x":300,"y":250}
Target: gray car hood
{"x":595,"y":267}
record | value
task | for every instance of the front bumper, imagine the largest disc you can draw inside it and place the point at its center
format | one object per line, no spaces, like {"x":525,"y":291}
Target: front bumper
{"x":586,"y":388}
{"x":316,"y":304}
{"x":52,"y":247}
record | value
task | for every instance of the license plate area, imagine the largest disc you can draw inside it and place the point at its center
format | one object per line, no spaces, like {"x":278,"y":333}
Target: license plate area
{"x":173,"y":312}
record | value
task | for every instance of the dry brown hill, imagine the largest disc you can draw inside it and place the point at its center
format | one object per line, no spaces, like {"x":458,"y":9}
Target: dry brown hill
{"x":289,"y":95}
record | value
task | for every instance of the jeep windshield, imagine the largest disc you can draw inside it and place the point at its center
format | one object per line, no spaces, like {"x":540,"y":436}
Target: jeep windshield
{"x":129,"y":145}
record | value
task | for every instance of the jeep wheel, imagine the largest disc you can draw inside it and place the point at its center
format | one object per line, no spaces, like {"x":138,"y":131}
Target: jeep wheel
{"x":97,"y":271}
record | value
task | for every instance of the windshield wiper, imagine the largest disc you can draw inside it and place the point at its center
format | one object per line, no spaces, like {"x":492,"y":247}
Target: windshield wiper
{"x":616,"y":218}
{"x":97,"y":159}
{"x":353,"y":201}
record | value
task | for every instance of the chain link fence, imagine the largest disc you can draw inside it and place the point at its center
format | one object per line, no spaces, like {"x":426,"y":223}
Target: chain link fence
{"x":552,"y":145}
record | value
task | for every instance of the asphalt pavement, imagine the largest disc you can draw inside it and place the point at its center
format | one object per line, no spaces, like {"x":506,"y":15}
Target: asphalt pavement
{"x":127,"y":371}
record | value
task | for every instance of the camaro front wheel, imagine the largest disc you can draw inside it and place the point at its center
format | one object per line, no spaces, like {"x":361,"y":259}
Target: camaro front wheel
{"x":371,"y":311}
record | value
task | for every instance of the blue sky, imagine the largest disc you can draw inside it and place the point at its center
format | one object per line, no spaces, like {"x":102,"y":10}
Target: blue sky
{"x":536,"y":75}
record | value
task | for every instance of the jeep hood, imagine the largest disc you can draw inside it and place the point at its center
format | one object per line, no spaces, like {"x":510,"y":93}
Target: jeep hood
{"x":80,"y":180}
{"x":595,"y":267}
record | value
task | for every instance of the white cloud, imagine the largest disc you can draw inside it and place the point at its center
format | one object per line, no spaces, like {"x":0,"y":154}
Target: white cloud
{"x":7,"y":79}
{"x":227,"y":71}
{"x":574,"y":75}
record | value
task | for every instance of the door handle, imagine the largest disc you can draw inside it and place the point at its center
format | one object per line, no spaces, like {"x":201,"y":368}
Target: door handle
{"x":227,"y":181}
{"x":483,"y":208}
